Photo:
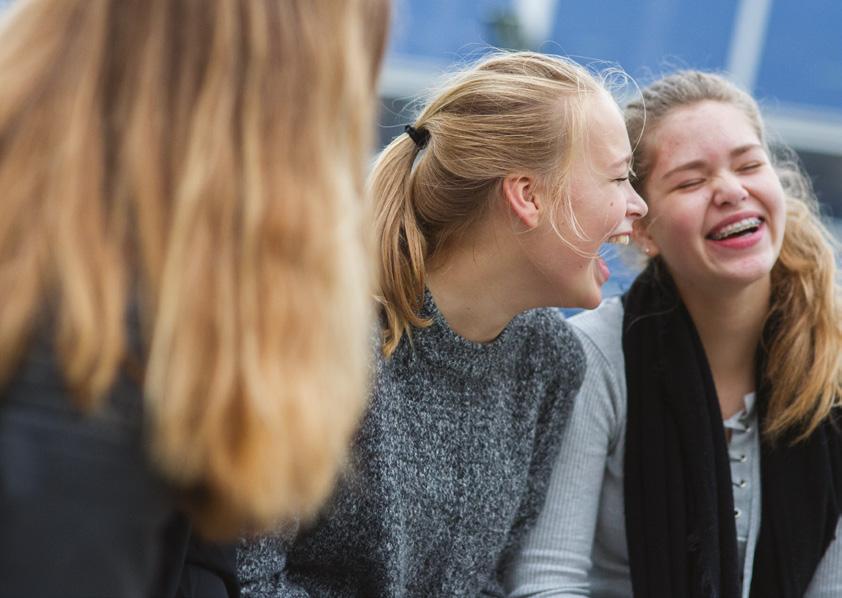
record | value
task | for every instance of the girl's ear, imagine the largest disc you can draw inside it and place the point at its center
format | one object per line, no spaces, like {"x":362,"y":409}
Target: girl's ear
{"x":519,"y":194}
{"x":643,"y":238}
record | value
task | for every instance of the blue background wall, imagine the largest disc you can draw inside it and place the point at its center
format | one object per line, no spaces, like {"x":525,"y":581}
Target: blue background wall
{"x":788,"y":53}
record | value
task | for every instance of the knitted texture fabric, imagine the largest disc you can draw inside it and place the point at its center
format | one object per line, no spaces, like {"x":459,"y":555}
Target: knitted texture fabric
{"x":450,"y":468}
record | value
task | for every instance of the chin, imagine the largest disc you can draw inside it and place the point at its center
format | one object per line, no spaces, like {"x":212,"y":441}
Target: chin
{"x":594,"y":302}
{"x":749,"y":273}
{"x":578,"y":294}
{"x":589,"y":300}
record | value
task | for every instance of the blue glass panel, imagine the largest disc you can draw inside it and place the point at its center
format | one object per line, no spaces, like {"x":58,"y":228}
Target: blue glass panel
{"x":642,"y":36}
{"x":442,"y":30}
{"x":646,"y":36}
{"x":802,"y":61}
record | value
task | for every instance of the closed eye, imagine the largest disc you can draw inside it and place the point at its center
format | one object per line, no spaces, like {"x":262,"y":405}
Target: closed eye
{"x":624,"y":178}
{"x":689,"y":184}
{"x":750,"y":166}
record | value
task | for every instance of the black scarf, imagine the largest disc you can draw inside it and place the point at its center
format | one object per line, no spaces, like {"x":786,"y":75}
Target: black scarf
{"x":679,"y":504}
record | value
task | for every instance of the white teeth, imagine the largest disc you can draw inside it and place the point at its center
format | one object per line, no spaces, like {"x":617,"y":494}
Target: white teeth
{"x":619,"y":239}
{"x":736,"y":227}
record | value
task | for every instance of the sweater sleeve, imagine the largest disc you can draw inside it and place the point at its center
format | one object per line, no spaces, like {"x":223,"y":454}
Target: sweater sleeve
{"x":555,"y":558}
{"x":553,"y":416}
{"x":261,"y":568}
{"x":827,"y":580}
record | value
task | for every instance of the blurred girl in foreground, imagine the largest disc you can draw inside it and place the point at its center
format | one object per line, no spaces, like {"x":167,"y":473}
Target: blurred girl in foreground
{"x":184,"y":279}
{"x":704,"y":456}
{"x":495,"y":202}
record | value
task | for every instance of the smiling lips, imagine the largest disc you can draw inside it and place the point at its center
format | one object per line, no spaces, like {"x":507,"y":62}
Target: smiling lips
{"x":603,"y":270}
{"x":740,"y":227}
{"x":618,"y":239}
{"x":740,"y":233}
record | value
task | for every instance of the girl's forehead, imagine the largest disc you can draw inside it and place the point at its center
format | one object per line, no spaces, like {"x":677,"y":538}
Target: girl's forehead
{"x":605,"y":136}
{"x":699,"y":131}
{"x":712,"y":119}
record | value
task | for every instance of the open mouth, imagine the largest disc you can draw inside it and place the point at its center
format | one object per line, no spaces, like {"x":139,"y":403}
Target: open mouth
{"x":741,"y":228}
{"x":622,"y":239}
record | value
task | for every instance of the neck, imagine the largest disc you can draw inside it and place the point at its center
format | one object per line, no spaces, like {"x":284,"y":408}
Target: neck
{"x":730,"y":324}
{"x":477,"y":285}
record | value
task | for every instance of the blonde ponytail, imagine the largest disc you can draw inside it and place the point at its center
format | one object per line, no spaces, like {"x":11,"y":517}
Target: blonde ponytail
{"x":402,"y":246}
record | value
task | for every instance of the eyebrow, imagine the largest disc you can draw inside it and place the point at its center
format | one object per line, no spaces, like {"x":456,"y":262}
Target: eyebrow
{"x":624,"y":160}
{"x":696,"y":164}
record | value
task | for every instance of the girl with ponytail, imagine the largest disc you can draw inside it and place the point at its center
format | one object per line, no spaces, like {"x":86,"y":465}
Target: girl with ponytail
{"x":490,"y":209}
{"x":704,"y":456}
{"x":184,"y":318}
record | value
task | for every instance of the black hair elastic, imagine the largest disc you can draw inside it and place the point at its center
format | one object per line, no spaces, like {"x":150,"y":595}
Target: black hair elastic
{"x":420,"y":136}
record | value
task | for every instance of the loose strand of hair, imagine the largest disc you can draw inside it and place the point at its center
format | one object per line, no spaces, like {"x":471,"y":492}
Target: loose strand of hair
{"x":805,"y":361}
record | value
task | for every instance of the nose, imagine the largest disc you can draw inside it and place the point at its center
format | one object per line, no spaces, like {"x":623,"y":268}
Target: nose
{"x":728,"y":189}
{"x":635,"y":206}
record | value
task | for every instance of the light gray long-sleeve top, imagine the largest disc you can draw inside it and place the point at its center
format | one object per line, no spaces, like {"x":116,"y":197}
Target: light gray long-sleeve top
{"x":578,"y":546}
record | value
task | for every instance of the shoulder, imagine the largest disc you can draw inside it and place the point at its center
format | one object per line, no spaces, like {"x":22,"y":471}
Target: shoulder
{"x":261,"y":556}
{"x":601,"y":331}
{"x":549,"y":339}
{"x":603,"y":393}
{"x":549,"y":328}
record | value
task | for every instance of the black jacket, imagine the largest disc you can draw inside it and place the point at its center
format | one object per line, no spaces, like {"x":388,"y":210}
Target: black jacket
{"x":82,"y":513}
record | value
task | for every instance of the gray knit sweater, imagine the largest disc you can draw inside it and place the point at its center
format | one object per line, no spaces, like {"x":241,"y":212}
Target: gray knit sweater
{"x":450,"y":468}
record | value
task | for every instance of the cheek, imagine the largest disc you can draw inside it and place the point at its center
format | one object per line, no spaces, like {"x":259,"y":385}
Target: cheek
{"x":768,"y":190}
{"x":778,"y":201}
{"x":615,"y":212}
{"x":606,"y":220}
{"x":771,"y":194}
{"x":780,"y":218}
{"x":672,"y":229}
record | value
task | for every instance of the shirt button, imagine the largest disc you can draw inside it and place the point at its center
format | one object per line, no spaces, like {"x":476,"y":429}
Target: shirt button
{"x":742,"y":484}
{"x":737,"y":513}
{"x":743,"y":458}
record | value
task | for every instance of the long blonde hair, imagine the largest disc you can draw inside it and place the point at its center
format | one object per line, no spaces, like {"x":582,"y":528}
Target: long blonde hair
{"x":509,"y":112}
{"x":204,"y":160}
{"x":805,"y":355}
